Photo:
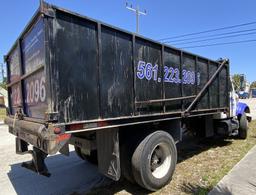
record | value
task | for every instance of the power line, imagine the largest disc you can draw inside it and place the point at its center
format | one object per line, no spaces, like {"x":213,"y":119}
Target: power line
{"x":138,"y":13}
{"x":214,"y":35}
{"x":225,"y":43}
{"x":207,"y":31}
{"x":223,"y":37}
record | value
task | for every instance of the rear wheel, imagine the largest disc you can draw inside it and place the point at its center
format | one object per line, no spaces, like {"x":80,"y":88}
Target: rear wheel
{"x":154,"y":160}
{"x":243,"y":126}
{"x":92,"y":158}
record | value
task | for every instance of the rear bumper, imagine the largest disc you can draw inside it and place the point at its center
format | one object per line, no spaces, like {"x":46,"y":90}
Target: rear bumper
{"x":37,"y":134}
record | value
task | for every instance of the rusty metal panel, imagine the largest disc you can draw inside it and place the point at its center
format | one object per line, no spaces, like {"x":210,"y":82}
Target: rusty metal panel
{"x":35,"y":95}
{"x":15,"y":96}
{"x":14,"y":65}
{"x":148,"y":76}
{"x":223,"y":88}
{"x":33,"y":61}
{"x":33,"y":50}
{"x":172,"y":89}
{"x":26,"y":76}
{"x":214,"y":90}
{"x":189,"y":78}
{"x":202,"y":80}
{"x":14,"y":75}
{"x":116,"y":74}
{"x":75,"y":68}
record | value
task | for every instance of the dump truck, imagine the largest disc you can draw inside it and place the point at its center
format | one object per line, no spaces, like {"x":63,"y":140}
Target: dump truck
{"x":121,"y":99}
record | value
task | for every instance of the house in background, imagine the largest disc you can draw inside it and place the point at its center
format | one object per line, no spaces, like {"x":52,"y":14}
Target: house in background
{"x":3,"y":97}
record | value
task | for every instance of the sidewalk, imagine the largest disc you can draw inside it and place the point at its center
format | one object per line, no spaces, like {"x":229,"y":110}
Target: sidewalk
{"x":241,"y":180}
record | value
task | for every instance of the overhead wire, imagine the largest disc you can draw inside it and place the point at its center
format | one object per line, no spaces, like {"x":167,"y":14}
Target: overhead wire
{"x":213,"y":35}
{"x":207,"y":31}
{"x":222,"y":37}
{"x":216,"y":44}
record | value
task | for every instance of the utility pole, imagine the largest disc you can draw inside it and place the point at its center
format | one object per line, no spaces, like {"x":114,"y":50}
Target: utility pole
{"x":2,"y":71}
{"x":138,"y":13}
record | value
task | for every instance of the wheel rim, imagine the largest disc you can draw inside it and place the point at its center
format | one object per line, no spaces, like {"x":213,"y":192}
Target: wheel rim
{"x":160,"y":160}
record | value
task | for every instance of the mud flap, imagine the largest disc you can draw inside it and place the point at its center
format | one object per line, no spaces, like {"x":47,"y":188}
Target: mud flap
{"x":108,"y":153}
{"x":37,"y":164}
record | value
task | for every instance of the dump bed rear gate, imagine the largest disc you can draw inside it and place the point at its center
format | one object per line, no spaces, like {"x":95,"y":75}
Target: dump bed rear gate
{"x":26,"y":73}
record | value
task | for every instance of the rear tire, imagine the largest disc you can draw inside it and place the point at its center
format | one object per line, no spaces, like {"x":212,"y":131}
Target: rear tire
{"x":92,"y":158}
{"x":154,"y":160}
{"x":243,"y":127}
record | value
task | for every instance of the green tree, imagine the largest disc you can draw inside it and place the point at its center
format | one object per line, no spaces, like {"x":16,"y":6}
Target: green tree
{"x":253,"y":84}
{"x":3,"y":84}
{"x":236,"y":81}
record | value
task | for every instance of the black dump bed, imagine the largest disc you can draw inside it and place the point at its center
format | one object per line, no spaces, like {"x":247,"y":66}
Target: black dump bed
{"x":66,"y":67}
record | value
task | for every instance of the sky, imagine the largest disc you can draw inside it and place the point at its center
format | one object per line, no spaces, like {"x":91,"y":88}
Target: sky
{"x":164,"y":18}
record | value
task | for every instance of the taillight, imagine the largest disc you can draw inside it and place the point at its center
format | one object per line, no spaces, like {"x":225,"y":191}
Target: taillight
{"x":57,"y":130}
{"x":63,"y":137}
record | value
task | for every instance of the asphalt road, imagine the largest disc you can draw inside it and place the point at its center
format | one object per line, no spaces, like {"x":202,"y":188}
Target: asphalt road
{"x":69,"y":174}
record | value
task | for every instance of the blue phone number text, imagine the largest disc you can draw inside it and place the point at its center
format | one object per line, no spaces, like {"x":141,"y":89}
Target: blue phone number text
{"x":171,"y":75}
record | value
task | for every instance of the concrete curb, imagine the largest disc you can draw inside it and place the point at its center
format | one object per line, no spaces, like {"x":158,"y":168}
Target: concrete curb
{"x":241,"y":179}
